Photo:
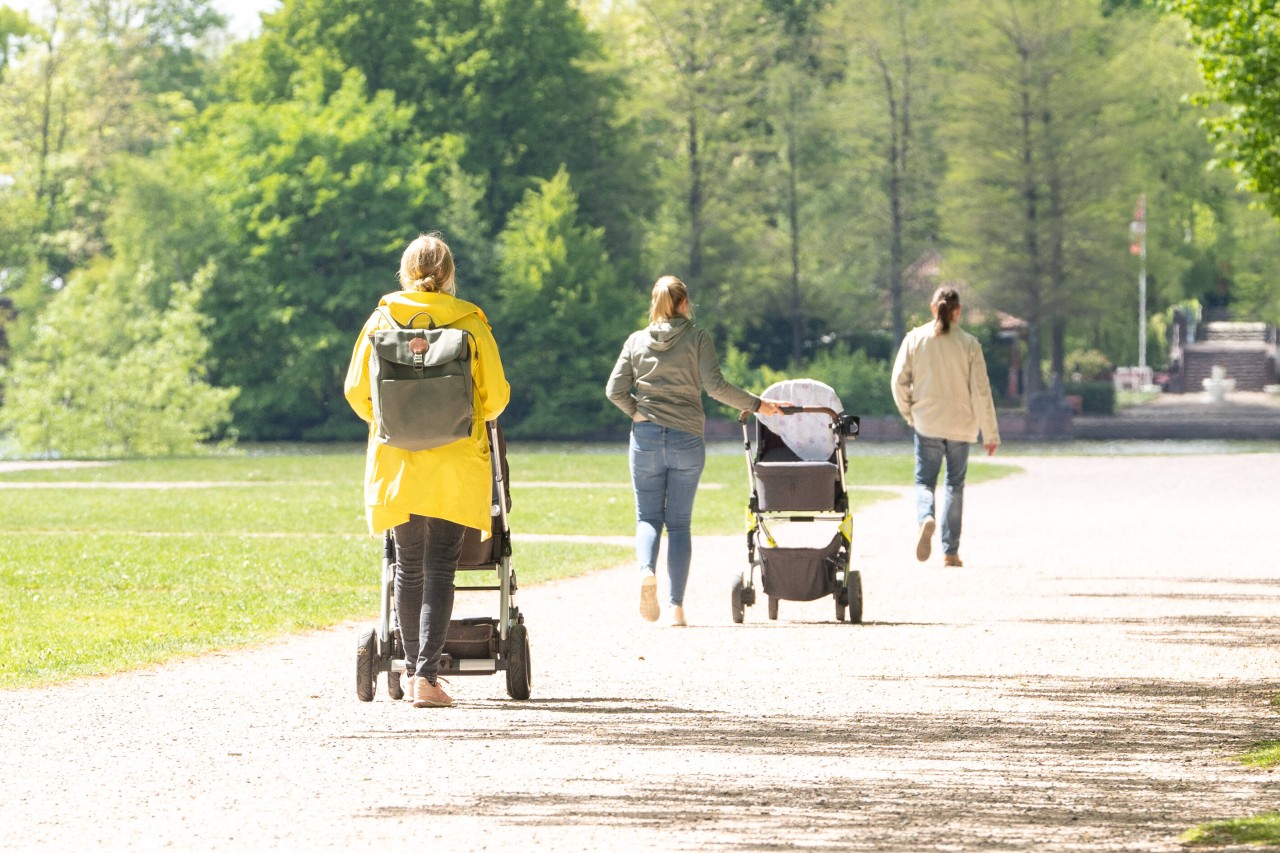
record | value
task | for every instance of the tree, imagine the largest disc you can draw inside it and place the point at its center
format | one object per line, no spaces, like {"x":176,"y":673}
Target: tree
{"x":97,"y":80}
{"x":520,"y":81}
{"x":793,"y":83}
{"x":314,"y":199}
{"x":562,"y":316}
{"x":1238,"y":46}
{"x":109,"y":375}
{"x":696,"y":73}
{"x":1036,"y":180}
{"x":15,"y":28}
{"x":893,"y":65}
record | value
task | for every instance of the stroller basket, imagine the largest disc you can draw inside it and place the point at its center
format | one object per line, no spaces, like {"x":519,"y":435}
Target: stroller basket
{"x":801,"y":574}
{"x":797,"y":486}
{"x":472,"y":638}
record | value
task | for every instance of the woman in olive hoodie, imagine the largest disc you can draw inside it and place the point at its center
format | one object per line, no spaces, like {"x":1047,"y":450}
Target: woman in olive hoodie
{"x":658,"y":381}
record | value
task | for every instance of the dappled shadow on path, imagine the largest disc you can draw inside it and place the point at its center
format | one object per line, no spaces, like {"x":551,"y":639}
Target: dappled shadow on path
{"x":1077,"y":764}
{"x":1209,"y":630}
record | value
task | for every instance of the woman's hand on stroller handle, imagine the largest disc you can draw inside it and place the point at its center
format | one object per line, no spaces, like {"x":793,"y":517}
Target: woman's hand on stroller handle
{"x":777,"y":407}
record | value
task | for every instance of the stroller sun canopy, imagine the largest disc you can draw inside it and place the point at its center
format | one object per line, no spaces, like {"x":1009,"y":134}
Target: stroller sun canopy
{"x":807,"y":434}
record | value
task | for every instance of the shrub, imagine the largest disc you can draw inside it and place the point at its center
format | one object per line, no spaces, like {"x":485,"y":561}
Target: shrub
{"x":1097,"y":398}
{"x":1090,"y":364}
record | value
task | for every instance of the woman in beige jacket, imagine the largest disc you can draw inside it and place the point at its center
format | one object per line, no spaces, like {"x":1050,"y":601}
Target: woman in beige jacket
{"x":941,"y":388}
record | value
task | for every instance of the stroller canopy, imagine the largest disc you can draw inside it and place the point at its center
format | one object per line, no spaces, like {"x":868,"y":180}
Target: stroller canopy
{"x":808,"y":434}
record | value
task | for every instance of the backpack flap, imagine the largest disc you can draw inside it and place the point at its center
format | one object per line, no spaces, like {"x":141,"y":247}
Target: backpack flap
{"x":421,"y":348}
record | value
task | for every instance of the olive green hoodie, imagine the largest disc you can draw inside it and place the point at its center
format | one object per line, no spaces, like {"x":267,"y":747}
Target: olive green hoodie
{"x":663,"y":371}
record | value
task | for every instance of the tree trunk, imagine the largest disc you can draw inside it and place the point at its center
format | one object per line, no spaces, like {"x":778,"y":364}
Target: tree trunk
{"x":793,"y":214}
{"x":695,"y":201}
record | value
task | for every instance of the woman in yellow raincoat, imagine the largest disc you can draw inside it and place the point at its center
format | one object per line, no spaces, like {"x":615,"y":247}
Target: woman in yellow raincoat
{"x":427,"y":497}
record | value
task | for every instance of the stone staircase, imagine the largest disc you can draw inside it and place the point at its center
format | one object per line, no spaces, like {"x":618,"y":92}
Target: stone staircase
{"x":1245,"y":350}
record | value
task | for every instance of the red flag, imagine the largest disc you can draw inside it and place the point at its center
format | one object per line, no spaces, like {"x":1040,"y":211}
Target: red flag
{"x":1138,"y":227}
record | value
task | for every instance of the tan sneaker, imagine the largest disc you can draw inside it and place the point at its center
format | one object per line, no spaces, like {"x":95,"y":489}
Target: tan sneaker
{"x":649,"y":598}
{"x":924,"y":546}
{"x":428,"y":695}
{"x":675,"y":617}
{"x":412,"y":692}
{"x":952,"y":560}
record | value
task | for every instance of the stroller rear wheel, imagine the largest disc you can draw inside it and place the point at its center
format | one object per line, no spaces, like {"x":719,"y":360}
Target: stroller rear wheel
{"x":366,"y":674}
{"x":519,"y":669}
{"x":773,"y":607}
{"x":854,"y":596}
{"x":739,"y":608}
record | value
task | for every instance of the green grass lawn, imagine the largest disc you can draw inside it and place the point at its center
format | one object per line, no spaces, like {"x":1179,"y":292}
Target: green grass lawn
{"x":243,"y":547}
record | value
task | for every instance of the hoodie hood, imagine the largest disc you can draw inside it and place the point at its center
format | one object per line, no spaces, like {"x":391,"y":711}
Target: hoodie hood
{"x":663,"y":336}
{"x":440,"y":307}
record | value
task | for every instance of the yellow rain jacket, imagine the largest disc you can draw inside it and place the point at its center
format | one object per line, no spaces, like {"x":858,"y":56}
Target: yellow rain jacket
{"x":453,"y":482}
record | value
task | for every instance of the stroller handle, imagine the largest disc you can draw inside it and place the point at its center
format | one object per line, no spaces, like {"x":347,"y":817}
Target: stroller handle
{"x":845,"y":425}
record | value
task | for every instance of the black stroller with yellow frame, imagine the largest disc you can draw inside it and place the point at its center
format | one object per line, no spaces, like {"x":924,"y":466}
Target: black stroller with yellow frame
{"x":796,"y":467}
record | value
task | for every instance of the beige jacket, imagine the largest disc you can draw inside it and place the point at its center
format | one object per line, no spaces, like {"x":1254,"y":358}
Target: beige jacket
{"x":941,"y":388}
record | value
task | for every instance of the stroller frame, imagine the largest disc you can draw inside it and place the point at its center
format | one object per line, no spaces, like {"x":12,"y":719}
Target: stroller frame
{"x":476,"y":645}
{"x":842,"y":582}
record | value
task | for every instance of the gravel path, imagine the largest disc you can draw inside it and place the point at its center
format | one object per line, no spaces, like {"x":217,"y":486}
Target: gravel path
{"x":1080,"y":685}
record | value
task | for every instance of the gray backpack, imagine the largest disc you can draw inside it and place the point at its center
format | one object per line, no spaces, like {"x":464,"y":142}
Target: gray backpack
{"x":421,"y":384}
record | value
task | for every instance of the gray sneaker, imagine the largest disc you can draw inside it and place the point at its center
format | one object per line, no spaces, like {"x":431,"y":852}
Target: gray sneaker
{"x":924,"y":546}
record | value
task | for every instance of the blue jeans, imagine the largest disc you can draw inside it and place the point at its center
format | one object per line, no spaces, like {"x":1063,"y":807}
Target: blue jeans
{"x":666,"y":465}
{"x":929,"y":455}
{"x":427,"y":552}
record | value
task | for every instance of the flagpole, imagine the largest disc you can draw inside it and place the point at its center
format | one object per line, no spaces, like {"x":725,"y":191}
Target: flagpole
{"x":1142,"y":303}
{"x":1138,"y":228}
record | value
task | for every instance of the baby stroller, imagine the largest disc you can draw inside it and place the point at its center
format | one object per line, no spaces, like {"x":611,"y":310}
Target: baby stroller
{"x":474,"y":646}
{"x":796,"y":467}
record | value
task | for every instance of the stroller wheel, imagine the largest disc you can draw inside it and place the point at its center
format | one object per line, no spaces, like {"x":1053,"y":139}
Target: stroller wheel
{"x":366,"y":651}
{"x":519,"y":669}
{"x":854,"y":596}
{"x":841,"y":598}
{"x":773,"y":607}
{"x":735,"y":597}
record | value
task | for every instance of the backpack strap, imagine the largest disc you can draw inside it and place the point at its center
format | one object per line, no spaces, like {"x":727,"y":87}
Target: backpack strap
{"x":386,"y":312}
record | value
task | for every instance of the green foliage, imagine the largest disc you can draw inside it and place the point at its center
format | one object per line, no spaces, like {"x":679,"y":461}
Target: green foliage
{"x":108,"y":374}
{"x":1089,"y":364}
{"x":804,"y":164}
{"x":860,"y":381}
{"x":1239,"y":53}
{"x":1096,"y":398}
{"x":562,"y":316}
{"x":315,"y":199}
{"x":15,"y":29}
{"x":518,"y":80}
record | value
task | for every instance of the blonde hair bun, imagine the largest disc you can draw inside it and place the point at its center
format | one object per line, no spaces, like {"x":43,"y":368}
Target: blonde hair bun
{"x":427,"y":266}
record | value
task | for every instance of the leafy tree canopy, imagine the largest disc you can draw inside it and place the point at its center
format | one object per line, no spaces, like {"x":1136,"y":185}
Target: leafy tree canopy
{"x":1238,"y":44}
